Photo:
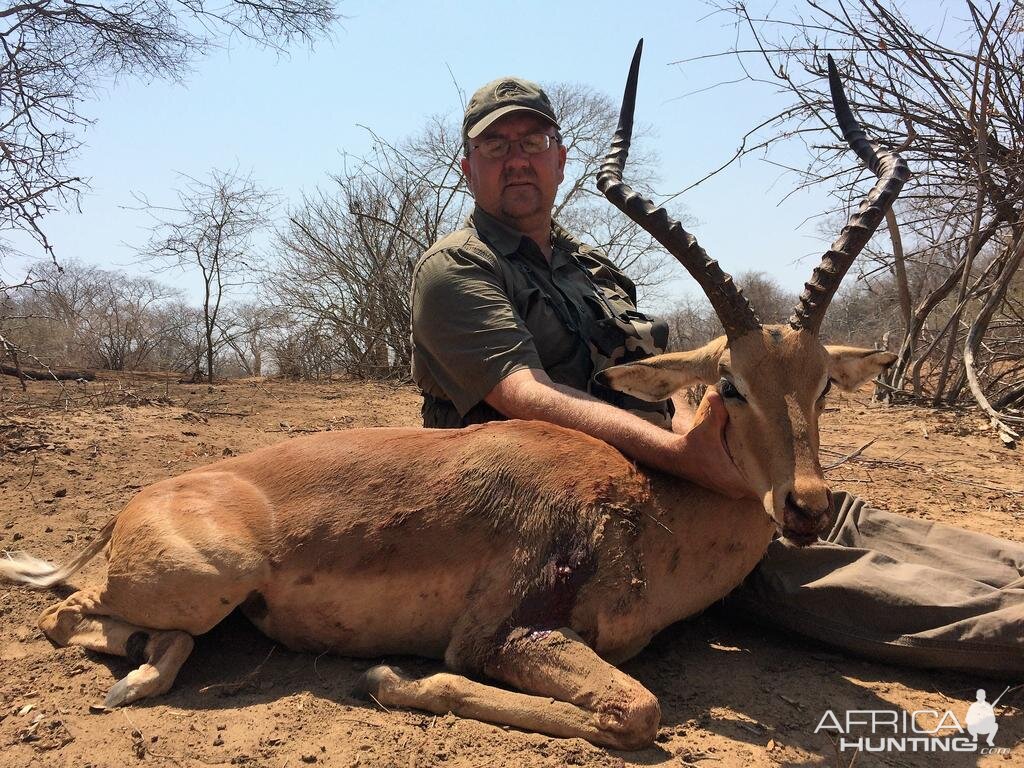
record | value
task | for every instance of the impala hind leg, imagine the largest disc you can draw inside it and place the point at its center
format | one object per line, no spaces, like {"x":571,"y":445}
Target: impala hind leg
{"x":83,"y":620}
{"x":569,"y":691}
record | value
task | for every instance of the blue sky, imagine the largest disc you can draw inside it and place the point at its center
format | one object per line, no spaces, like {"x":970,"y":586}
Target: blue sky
{"x":289,"y":119}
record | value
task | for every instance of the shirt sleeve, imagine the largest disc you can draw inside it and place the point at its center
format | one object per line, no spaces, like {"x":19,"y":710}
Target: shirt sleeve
{"x":465,"y":327}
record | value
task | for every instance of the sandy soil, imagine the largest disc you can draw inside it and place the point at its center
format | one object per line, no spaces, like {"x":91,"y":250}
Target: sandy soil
{"x":731,"y":694}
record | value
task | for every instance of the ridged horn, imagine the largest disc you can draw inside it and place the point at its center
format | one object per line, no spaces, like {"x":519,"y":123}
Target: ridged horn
{"x":892,"y":173}
{"x":728,"y":301}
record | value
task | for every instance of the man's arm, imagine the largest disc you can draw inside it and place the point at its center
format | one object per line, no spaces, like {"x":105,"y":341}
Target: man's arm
{"x":469,"y":336}
{"x":697,"y":455}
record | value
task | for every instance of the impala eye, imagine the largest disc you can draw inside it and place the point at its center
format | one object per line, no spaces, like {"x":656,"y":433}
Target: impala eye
{"x":727,"y":389}
{"x":828,"y":388}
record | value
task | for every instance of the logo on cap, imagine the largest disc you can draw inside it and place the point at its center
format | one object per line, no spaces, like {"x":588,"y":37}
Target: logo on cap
{"x":509,"y":89}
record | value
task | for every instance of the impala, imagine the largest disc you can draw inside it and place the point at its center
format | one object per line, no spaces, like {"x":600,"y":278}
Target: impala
{"x":518,"y":551}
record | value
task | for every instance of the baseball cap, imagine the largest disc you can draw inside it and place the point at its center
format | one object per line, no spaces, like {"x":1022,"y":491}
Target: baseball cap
{"x":501,"y":97}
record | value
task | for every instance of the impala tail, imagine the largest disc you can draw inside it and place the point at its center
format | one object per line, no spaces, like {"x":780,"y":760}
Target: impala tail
{"x":24,"y":568}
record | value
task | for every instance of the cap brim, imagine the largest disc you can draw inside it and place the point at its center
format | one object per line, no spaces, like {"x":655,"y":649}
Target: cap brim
{"x":497,"y":114}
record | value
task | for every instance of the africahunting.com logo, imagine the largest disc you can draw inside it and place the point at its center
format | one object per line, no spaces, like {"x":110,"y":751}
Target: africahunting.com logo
{"x":922,"y":730}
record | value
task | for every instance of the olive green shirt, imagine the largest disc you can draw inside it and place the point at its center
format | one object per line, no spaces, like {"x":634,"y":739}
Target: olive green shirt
{"x":477,"y":316}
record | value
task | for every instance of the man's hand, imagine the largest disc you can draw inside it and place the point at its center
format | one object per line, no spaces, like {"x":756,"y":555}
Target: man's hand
{"x":704,"y":458}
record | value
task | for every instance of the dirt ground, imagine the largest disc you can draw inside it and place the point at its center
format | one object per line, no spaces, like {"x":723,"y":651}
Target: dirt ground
{"x":732,"y":694}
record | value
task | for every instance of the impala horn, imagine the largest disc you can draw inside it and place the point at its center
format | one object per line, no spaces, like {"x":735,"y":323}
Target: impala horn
{"x":892,"y":173}
{"x":728,"y":301}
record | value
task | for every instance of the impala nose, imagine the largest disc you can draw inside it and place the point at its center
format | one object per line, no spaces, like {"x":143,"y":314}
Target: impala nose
{"x":806,"y":517}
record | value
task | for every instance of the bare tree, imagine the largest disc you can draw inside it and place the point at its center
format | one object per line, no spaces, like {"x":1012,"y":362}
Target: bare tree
{"x":248,"y":329}
{"x":948,"y":93}
{"x":120,"y":329}
{"x":14,"y":315}
{"x":304,"y":351}
{"x":691,"y":323}
{"x":83,"y":316}
{"x":56,"y":52}
{"x":44,"y":315}
{"x":183,"y":344}
{"x":345,"y":265}
{"x":80,"y":315}
{"x":346,"y":255}
{"x":210,"y":231}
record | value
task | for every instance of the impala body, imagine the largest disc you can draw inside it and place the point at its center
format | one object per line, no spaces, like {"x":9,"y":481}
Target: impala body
{"x":410,"y":531}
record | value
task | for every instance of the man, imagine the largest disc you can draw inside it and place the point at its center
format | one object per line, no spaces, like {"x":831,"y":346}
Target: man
{"x":511,"y":316}
{"x":510,"y":313}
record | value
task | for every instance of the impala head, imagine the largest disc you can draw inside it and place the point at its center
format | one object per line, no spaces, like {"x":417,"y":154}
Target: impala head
{"x":773,"y":378}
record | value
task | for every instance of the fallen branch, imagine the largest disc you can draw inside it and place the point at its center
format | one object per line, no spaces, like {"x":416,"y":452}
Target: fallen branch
{"x":851,"y":455}
{"x":53,"y":375}
{"x":249,"y":681}
{"x":966,"y":481}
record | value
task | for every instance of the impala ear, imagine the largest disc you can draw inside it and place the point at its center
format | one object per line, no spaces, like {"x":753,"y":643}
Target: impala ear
{"x":658,"y":377}
{"x":849,"y":367}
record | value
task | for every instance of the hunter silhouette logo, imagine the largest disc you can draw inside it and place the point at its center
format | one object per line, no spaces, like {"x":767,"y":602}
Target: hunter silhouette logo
{"x":509,"y":89}
{"x":922,"y":730}
{"x":981,"y":717}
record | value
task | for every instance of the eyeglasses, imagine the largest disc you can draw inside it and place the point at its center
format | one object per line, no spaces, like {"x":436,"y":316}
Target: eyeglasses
{"x":532,"y":144}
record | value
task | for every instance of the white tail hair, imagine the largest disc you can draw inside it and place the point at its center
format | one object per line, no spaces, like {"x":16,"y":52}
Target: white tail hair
{"x":27,"y":569}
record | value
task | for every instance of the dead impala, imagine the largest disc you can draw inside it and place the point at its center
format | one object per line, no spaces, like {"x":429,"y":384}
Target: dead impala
{"x":518,"y":551}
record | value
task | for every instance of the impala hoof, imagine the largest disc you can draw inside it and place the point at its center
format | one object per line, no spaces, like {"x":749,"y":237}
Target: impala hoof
{"x":119,"y":694}
{"x":374,"y":680}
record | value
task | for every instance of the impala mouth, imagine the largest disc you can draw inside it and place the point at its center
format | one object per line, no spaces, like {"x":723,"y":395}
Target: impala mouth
{"x":806,"y":530}
{"x":800,"y":538}
{"x":803,"y":525}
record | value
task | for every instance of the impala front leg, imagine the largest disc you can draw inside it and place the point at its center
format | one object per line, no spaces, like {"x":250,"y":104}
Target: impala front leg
{"x":557,"y":663}
{"x":575,"y":692}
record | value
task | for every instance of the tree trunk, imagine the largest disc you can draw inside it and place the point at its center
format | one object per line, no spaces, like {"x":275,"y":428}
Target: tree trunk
{"x":209,"y":353}
{"x":900,"y":271}
{"x":897,"y":373}
{"x":975,"y":335}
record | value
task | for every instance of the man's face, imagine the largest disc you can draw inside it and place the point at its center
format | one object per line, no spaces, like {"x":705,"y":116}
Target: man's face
{"x":518,"y":189}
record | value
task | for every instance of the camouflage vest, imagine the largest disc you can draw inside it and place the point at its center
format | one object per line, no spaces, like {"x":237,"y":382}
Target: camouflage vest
{"x":613,"y":330}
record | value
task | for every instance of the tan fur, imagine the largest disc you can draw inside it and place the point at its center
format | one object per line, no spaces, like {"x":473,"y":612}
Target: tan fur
{"x":850,"y":367}
{"x":656,"y":378}
{"x":523,"y":551}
